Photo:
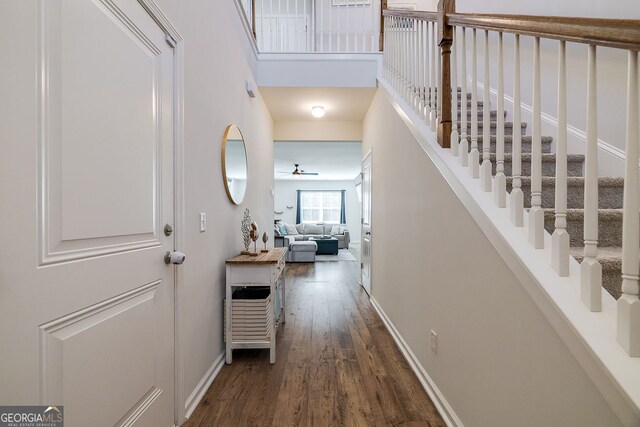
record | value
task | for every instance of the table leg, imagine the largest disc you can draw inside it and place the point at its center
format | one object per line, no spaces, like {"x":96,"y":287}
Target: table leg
{"x":227,"y":332}
{"x":284,"y":292}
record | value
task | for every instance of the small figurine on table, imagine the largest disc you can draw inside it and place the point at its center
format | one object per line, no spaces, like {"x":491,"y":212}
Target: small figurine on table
{"x":253,"y":233}
{"x":265,"y":238}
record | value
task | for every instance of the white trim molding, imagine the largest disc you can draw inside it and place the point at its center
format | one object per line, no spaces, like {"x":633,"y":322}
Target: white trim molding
{"x":438,"y":399}
{"x":198,"y":393}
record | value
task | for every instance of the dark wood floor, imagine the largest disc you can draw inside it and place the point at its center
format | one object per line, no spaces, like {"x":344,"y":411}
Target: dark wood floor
{"x":336,"y":364}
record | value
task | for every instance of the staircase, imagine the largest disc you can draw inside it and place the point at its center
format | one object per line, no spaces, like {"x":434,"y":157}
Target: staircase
{"x":609,"y":203}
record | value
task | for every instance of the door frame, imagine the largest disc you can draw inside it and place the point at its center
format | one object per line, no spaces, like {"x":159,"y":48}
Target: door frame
{"x":174,"y":38}
{"x":368,"y":155}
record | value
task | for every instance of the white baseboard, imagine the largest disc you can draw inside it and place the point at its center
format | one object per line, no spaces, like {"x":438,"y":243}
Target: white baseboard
{"x":438,"y":399}
{"x":196,"y":395}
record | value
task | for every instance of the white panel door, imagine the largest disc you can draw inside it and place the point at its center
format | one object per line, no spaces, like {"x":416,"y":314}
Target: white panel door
{"x":86,"y":300}
{"x":366,"y":223}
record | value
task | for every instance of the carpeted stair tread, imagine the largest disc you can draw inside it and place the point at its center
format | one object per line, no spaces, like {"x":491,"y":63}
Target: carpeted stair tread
{"x":508,"y":143}
{"x":610,"y":192}
{"x":574,"y":165}
{"x":493,"y":114}
{"x":508,"y":128}
{"x":609,"y":226}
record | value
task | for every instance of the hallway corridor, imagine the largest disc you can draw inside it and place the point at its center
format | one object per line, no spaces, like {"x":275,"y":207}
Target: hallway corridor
{"x":336,"y":364}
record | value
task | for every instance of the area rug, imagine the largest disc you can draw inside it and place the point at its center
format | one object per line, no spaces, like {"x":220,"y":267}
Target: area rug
{"x":343,"y":255}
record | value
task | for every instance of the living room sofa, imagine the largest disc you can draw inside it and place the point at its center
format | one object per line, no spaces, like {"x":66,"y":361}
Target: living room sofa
{"x":301,"y":232}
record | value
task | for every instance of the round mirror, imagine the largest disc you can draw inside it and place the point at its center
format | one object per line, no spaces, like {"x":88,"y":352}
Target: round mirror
{"x":234,"y":164}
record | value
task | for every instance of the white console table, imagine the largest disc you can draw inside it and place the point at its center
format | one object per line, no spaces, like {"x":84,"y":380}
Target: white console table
{"x":266,"y":269}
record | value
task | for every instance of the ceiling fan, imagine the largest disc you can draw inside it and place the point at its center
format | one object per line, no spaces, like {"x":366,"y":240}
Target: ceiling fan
{"x":297,"y":171}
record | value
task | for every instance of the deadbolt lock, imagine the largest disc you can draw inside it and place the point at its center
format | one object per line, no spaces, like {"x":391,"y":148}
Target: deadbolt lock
{"x":168,"y":230}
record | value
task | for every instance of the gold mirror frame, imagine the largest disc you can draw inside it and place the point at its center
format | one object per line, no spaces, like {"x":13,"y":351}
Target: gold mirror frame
{"x":225,"y":177}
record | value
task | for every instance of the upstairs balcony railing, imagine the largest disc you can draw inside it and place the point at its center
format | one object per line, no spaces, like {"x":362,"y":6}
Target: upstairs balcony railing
{"x":323,"y":26}
{"x":428,"y":53}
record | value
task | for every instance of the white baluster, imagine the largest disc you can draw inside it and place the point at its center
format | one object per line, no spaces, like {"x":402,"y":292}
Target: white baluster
{"x":628,"y":328}
{"x":427,"y":70}
{"x":321,"y":26}
{"x":411,"y":58}
{"x":287,"y":30}
{"x":420,"y":68}
{"x":464,"y":141}
{"x":385,"y":51}
{"x":439,"y":96}
{"x":516,"y":200}
{"x":500,"y":180}
{"x":485,"y":170}
{"x":590,"y":269}
{"x":305,"y":37}
{"x":432,"y":97}
{"x":406,"y":53}
{"x":347,"y":34}
{"x":330,"y":27}
{"x":560,"y":237}
{"x":474,"y":155}
{"x":374,"y":35}
{"x":261,"y":39}
{"x":536,"y":214}
{"x":270,"y":23}
{"x":417,"y":87}
{"x":398,"y":54}
{"x":339,"y":18}
{"x":296,"y":29}
{"x":454,"y":96}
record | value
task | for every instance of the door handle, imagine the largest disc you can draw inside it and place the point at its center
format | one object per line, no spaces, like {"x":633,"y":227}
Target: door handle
{"x":368,"y":233}
{"x":175,"y":257}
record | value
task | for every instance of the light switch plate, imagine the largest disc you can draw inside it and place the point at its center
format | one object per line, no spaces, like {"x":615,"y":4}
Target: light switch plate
{"x":203,"y":221}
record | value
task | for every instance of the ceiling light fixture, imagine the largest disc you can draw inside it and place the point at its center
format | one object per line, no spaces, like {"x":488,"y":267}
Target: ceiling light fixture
{"x":317,"y":111}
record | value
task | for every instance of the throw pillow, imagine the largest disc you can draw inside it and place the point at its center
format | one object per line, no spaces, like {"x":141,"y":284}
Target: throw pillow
{"x":276,"y":231}
{"x":342,"y":229}
{"x":291,"y":229}
{"x":335,"y":230}
{"x":283,"y":229}
{"x":300,"y":228}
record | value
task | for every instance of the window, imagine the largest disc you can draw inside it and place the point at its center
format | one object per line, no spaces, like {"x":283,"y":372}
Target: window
{"x":321,"y":206}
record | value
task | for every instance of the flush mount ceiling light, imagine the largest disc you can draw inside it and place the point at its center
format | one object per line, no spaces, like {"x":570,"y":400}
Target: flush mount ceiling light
{"x":317,"y":111}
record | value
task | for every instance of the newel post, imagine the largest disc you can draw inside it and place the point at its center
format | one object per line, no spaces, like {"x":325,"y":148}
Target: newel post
{"x":383,"y":7}
{"x":253,"y":19}
{"x":445,"y":40}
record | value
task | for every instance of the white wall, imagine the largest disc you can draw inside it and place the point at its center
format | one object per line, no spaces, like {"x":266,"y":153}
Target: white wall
{"x":218,"y":60}
{"x":499,"y":361}
{"x":286,"y":195}
{"x":612,"y":72}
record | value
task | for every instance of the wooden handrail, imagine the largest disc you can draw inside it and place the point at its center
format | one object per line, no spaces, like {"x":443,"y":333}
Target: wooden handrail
{"x":617,"y":33}
{"x":412,"y":14}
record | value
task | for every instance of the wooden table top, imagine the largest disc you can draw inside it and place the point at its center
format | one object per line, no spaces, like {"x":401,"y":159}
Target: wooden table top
{"x":272,"y":257}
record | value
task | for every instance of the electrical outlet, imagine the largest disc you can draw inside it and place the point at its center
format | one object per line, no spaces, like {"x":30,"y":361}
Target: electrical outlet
{"x":434,"y":341}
